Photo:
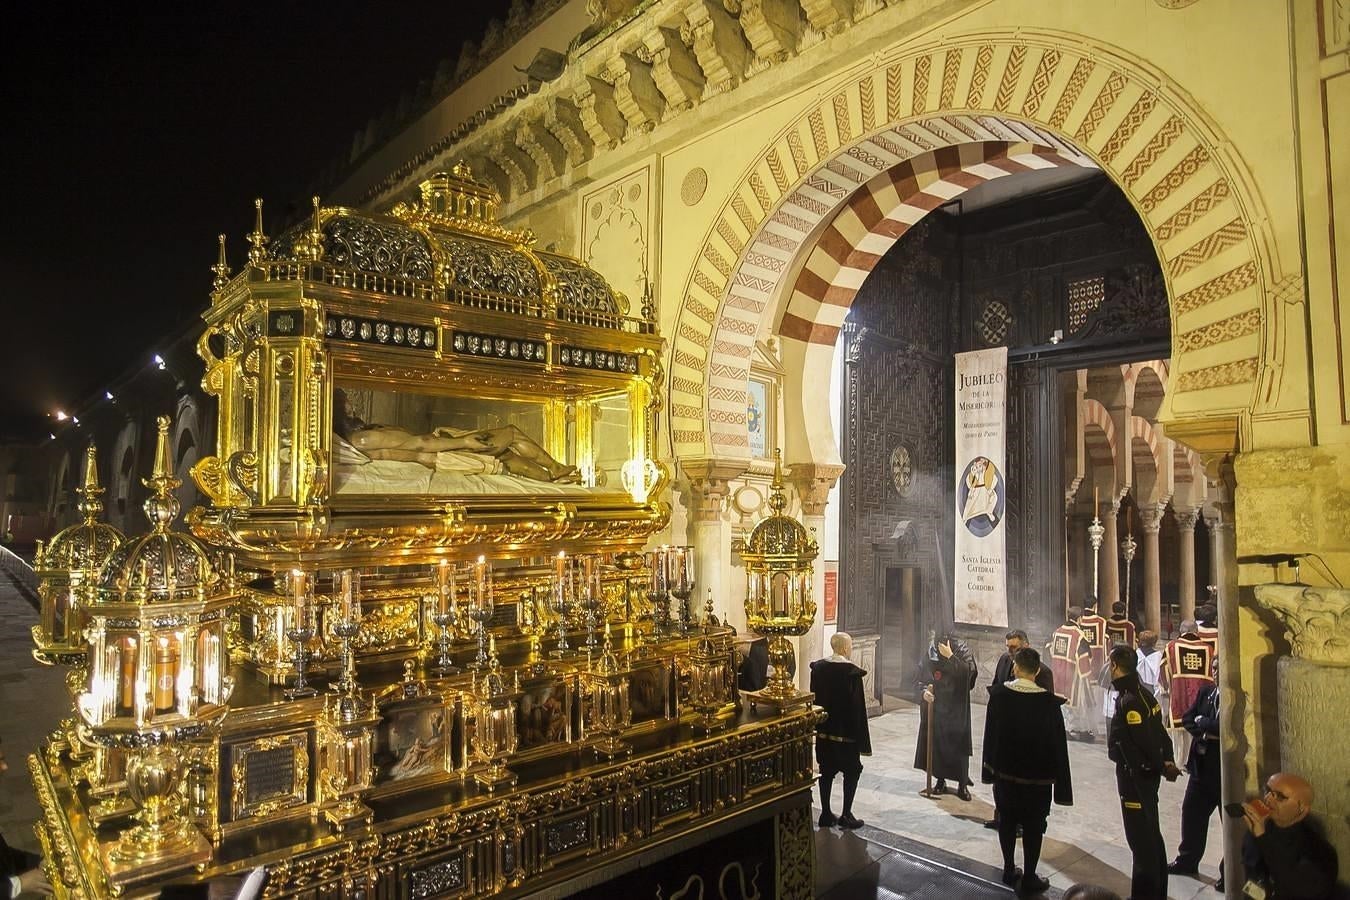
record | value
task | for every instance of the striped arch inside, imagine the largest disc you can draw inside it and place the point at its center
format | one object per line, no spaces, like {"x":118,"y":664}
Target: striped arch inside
{"x":883,"y":210}
{"x":870,"y":194}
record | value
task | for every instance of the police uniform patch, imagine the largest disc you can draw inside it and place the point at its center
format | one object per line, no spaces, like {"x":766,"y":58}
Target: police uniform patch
{"x":1133,"y":718}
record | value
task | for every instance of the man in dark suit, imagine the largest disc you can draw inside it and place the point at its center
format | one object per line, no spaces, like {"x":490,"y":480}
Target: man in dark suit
{"x":1026,"y":759}
{"x":1203,"y":786}
{"x":1003,"y":670}
{"x":842,"y":739}
{"x":754,"y":671}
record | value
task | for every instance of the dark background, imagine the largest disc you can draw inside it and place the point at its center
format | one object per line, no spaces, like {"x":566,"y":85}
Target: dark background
{"x":135,"y":135}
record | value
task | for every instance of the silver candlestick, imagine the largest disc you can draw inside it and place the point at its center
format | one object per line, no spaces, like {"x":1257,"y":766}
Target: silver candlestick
{"x":300,"y":637}
{"x":480,"y":609}
{"x":561,"y":602}
{"x":1128,"y":547}
{"x":1096,"y":531}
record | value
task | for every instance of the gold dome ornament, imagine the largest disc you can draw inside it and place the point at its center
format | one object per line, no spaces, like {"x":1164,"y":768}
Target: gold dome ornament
{"x":778,"y":599}
{"x":68,"y":572}
{"x":157,"y":682}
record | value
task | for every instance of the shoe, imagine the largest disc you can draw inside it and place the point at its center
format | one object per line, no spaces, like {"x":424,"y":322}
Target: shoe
{"x":1218,"y":885}
{"x":962,"y":793}
{"x":1012,"y":876}
{"x":1177,"y":867}
{"x":1032,"y":884}
{"x":847,"y":821}
{"x":939,"y":788}
{"x":992,"y":824}
{"x":827,"y":819}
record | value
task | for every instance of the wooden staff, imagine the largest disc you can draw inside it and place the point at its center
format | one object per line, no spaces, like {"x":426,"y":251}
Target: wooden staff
{"x":928,"y":758}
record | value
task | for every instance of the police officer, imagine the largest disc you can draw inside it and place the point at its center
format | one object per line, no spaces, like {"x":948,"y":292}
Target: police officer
{"x":1143,"y":756}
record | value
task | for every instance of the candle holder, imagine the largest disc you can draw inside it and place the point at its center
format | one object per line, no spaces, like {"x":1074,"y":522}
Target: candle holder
{"x":591,"y":604}
{"x":480,"y":609}
{"x":347,"y":627}
{"x":301,"y":654}
{"x":561,"y":602}
{"x":682,"y":585}
{"x":658,"y":590}
{"x":708,"y":681}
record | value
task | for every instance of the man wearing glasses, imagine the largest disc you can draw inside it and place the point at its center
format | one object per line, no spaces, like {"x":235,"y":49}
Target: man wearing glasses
{"x":1284,"y":852}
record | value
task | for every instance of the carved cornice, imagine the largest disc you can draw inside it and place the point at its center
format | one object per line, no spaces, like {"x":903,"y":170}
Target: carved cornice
{"x":1318,"y":620}
{"x":1215,"y":438}
{"x":813,"y":482}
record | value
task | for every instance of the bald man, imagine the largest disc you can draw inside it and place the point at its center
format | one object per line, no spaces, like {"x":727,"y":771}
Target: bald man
{"x":1284,"y":850}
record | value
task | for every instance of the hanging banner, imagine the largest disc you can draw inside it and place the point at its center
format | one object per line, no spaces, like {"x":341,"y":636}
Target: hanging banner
{"x":980,"y":587}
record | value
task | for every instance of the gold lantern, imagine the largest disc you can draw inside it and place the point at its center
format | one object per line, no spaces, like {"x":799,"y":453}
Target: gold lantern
{"x":608,"y":712}
{"x":157,"y":681}
{"x":709,"y":681}
{"x":68,"y":573}
{"x":346,"y":758}
{"x":778,"y":601}
{"x":494,"y":714}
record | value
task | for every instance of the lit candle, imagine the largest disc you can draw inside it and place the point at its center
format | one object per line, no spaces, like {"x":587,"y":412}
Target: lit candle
{"x":345,"y":591}
{"x":443,"y":588}
{"x":298,"y":590}
{"x":560,"y":564}
{"x":356,"y":595}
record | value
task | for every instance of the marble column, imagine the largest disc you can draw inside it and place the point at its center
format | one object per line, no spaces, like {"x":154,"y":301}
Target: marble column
{"x":813,"y":482}
{"x":1313,"y":686}
{"x":1151,"y":518}
{"x":1233,"y":740}
{"x":707,"y":483}
{"x":1186,"y":521}
{"x":1108,"y":587}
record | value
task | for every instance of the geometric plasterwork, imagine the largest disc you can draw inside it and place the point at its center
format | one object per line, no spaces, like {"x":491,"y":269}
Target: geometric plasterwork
{"x":616,"y":240}
{"x":1049,"y":99}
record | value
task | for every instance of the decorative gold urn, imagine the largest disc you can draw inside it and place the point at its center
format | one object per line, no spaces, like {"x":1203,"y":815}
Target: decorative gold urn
{"x":710,"y":675}
{"x":778,"y":602}
{"x":157,"y":679}
{"x":607,"y":711}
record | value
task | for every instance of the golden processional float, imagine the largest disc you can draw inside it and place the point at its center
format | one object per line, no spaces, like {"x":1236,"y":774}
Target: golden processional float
{"x":416,"y":645}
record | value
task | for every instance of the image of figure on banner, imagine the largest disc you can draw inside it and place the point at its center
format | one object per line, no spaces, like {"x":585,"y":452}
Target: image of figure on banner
{"x":981,"y":496}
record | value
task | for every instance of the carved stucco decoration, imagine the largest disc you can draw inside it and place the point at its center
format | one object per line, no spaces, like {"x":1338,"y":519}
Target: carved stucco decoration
{"x":902,"y":470}
{"x":1318,"y":620}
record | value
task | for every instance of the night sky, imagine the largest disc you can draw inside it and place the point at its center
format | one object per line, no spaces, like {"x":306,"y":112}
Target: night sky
{"x":135,"y":135}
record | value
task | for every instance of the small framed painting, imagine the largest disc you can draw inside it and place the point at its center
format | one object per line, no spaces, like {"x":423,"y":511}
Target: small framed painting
{"x":760,"y":416}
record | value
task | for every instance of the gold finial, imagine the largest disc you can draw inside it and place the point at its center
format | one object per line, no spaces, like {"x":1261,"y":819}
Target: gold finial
{"x":162,"y":507}
{"x":777,"y":498}
{"x":310,"y":245}
{"x":221,"y":268}
{"x":257,"y":239}
{"x":90,"y":505}
{"x":461,"y":170}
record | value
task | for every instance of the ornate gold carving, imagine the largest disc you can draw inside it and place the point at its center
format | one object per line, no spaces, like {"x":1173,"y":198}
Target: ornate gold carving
{"x":794,"y":854}
{"x":1318,"y":619}
{"x":240,"y":806}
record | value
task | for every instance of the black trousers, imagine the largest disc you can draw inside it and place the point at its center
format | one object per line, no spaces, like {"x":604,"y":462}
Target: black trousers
{"x":1139,"y":811}
{"x":838,"y":758}
{"x":1027,"y":806}
{"x":1202,"y":798}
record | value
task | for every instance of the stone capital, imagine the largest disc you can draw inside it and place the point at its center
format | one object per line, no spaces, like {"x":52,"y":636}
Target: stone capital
{"x":813,"y":482}
{"x":1318,"y":619}
{"x":709,"y":479}
{"x":1186,"y":519}
{"x":1150,"y":517}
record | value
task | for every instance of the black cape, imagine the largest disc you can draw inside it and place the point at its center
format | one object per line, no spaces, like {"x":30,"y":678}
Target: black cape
{"x":952,"y":680}
{"x":838,"y":687}
{"x":1024,"y":740}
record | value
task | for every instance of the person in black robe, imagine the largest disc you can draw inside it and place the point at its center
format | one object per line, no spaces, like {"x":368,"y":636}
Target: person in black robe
{"x":754,"y":670}
{"x":946,"y":677}
{"x":1026,"y":759}
{"x":842,"y":739}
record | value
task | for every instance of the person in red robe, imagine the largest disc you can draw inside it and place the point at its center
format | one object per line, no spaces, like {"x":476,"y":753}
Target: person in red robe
{"x":1071,"y":663}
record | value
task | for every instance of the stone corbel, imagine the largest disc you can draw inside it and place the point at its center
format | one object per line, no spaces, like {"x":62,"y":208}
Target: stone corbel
{"x":709,"y":481}
{"x":773,"y":27}
{"x":600,"y":114}
{"x":828,"y":16}
{"x":518,"y":166}
{"x":813,"y":482}
{"x":1318,"y":620}
{"x":636,"y":94}
{"x":675,"y":71}
{"x":718,"y":45}
{"x":563,"y":121}
{"x":544,"y":148}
